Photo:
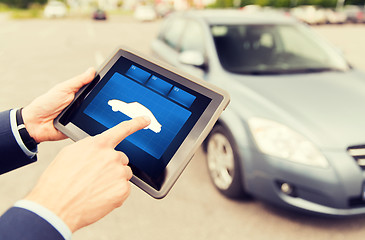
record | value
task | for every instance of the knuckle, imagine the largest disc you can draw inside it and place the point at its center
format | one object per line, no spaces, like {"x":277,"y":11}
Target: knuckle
{"x":118,"y":202}
{"x":127,"y":173}
{"x":117,"y":157}
{"x":124,"y":189}
{"x":113,"y":157}
{"x":124,"y":157}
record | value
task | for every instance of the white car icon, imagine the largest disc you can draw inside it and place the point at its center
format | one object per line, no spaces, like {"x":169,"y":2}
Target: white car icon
{"x":135,"y":109}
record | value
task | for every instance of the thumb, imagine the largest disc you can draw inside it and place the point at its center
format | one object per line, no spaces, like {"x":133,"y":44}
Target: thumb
{"x":74,"y":84}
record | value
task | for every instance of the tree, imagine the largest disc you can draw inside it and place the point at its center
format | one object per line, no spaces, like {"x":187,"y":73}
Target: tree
{"x":281,"y":3}
{"x":22,"y":3}
{"x":222,"y":4}
{"x":355,"y":2}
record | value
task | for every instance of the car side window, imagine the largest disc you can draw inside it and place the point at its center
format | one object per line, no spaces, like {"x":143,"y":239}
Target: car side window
{"x":193,"y":38}
{"x":172,"y":32}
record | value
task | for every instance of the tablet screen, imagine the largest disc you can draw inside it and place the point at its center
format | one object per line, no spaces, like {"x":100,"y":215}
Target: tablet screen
{"x":129,"y":90}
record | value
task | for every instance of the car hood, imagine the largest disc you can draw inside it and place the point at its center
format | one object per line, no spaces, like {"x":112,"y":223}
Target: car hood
{"x":326,"y":107}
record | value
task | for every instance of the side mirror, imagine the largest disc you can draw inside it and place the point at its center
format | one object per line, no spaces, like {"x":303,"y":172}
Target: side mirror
{"x":193,"y":58}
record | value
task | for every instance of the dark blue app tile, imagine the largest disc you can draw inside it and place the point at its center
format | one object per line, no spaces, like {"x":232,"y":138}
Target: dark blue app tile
{"x":138,"y":74}
{"x":182,"y":97}
{"x":159,"y":85}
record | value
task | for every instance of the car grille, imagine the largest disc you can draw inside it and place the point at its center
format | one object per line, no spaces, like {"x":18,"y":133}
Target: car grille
{"x":358,"y":153}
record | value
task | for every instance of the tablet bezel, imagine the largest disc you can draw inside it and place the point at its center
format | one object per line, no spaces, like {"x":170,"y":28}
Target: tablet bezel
{"x":185,"y":152}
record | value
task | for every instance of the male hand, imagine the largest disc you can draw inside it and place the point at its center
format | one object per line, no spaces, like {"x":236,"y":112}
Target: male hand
{"x":88,"y":179}
{"x":38,"y":116}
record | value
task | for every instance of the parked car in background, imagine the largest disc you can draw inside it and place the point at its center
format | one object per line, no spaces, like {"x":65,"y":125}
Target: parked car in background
{"x":335,"y":16}
{"x":55,"y":9}
{"x":310,"y":14}
{"x":99,"y":14}
{"x":145,"y":13}
{"x":163,"y":9}
{"x":354,"y":14}
{"x":293,"y":134}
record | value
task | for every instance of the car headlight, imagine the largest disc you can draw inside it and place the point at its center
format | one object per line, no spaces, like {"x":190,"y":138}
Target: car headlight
{"x":279,"y":140}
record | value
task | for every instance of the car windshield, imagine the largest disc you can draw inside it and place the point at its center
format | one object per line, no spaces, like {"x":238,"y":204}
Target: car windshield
{"x":274,"y":49}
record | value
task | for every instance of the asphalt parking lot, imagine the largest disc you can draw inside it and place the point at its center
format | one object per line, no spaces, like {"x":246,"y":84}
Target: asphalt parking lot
{"x":37,"y":54}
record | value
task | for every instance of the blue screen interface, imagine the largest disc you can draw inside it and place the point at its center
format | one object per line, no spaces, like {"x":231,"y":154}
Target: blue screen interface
{"x":123,"y":98}
{"x":129,"y":90}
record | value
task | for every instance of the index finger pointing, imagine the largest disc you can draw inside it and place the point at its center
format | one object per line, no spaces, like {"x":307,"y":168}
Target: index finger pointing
{"x":118,"y":133}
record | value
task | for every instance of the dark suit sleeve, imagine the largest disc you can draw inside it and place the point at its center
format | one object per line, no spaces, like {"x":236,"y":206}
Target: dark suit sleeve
{"x":21,"y":224}
{"x":11,"y":155}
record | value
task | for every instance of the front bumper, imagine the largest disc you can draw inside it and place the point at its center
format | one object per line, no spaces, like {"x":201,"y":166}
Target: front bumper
{"x":337,"y":190}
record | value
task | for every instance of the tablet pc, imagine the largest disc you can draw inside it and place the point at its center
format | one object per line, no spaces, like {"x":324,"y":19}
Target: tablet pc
{"x":182,"y":109}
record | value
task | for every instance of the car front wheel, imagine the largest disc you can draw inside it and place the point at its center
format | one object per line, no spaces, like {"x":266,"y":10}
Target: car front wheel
{"x":223,"y":163}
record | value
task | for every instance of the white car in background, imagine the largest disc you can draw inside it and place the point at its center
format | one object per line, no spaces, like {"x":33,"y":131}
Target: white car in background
{"x":145,"y":13}
{"x":311,"y":15}
{"x":55,"y":9}
{"x":335,"y":17}
{"x":135,"y":109}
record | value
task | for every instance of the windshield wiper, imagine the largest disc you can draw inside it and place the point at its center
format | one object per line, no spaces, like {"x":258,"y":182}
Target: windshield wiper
{"x":258,"y":72}
{"x":323,"y":69}
{"x":286,"y":71}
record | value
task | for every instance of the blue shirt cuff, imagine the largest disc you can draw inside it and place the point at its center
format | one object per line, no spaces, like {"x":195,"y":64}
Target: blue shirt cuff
{"x":47,"y":215}
{"x":14,"y":129}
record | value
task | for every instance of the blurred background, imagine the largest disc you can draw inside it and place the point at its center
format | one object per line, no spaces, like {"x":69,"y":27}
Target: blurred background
{"x":43,"y":43}
{"x":310,"y":11}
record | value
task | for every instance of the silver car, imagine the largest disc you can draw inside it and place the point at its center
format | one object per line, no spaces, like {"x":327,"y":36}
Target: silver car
{"x":294,"y":133}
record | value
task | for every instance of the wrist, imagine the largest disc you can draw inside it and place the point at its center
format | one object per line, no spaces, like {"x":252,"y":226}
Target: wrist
{"x":47,"y":215}
{"x":54,"y":206}
{"x":27,"y":139}
{"x":29,"y":123}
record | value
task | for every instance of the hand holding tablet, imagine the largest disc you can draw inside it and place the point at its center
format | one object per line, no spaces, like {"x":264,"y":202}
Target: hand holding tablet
{"x":182,"y":111}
